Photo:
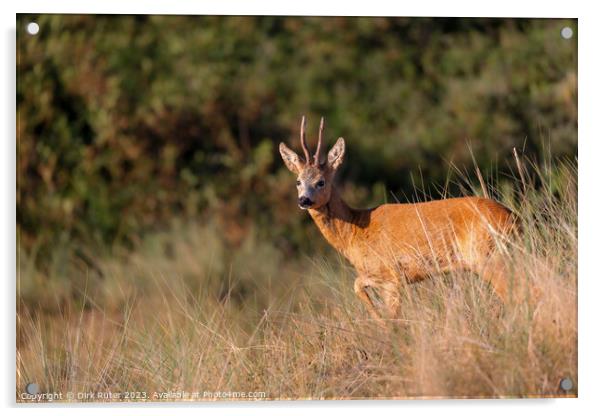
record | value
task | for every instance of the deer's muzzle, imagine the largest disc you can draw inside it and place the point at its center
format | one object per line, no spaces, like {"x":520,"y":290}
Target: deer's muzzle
{"x":305,"y":202}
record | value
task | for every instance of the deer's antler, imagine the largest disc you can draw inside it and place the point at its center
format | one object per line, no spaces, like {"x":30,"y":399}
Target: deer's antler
{"x":319,"y":148}
{"x":303,"y":143}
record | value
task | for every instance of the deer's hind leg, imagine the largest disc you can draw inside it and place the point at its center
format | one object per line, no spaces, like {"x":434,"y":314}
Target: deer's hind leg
{"x":508,"y":282}
{"x":478,"y":253}
{"x":494,"y":272}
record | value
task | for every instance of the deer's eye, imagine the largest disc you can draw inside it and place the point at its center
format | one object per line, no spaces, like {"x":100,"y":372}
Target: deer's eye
{"x":298,"y":182}
{"x":320,"y":183}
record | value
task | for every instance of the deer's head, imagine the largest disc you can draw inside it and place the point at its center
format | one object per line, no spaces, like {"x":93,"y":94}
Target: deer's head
{"x":314,"y":176}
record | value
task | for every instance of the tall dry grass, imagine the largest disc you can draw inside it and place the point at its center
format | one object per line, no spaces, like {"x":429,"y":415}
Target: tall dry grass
{"x":185,"y":314}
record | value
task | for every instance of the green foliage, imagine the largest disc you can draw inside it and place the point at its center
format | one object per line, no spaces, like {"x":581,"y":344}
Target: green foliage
{"x":127,"y":121}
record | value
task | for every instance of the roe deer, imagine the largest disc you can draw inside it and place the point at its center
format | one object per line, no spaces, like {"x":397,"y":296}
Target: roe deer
{"x":392,"y":243}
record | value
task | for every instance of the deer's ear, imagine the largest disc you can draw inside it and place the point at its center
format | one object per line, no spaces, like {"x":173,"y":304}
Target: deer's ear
{"x":336,"y":154}
{"x":290,"y":158}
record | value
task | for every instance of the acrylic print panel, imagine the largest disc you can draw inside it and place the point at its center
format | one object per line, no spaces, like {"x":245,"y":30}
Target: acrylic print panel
{"x":178,"y":240}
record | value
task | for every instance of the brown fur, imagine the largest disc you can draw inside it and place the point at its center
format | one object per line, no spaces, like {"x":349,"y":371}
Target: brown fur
{"x":396,"y":243}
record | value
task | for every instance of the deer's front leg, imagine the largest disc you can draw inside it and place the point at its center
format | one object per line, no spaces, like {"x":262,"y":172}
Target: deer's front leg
{"x":360,"y":285}
{"x":390,"y":293}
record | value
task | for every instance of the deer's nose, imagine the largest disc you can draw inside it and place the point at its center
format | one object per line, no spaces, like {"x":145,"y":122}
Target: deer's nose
{"x":305,"y":202}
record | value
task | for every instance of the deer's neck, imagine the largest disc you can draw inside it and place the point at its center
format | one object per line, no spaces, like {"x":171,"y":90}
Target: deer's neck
{"x":340,"y":224}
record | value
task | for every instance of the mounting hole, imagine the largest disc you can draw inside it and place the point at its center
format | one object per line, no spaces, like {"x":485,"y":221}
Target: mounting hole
{"x":566,"y":32}
{"x":32,"y":388}
{"x":566,"y":384}
{"x":33,"y":28}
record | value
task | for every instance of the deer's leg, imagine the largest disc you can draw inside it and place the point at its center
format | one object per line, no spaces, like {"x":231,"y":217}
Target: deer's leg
{"x":495,"y":272}
{"x":509,"y":283}
{"x":390,"y":294}
{"x":506,"y":284}
{"x":359,"y":286}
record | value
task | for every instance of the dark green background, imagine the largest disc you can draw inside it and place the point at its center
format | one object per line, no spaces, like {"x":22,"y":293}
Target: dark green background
{"x":126,"y":122}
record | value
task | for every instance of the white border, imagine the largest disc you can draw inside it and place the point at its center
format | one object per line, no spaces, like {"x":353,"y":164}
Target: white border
{"x":590,"y":278}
